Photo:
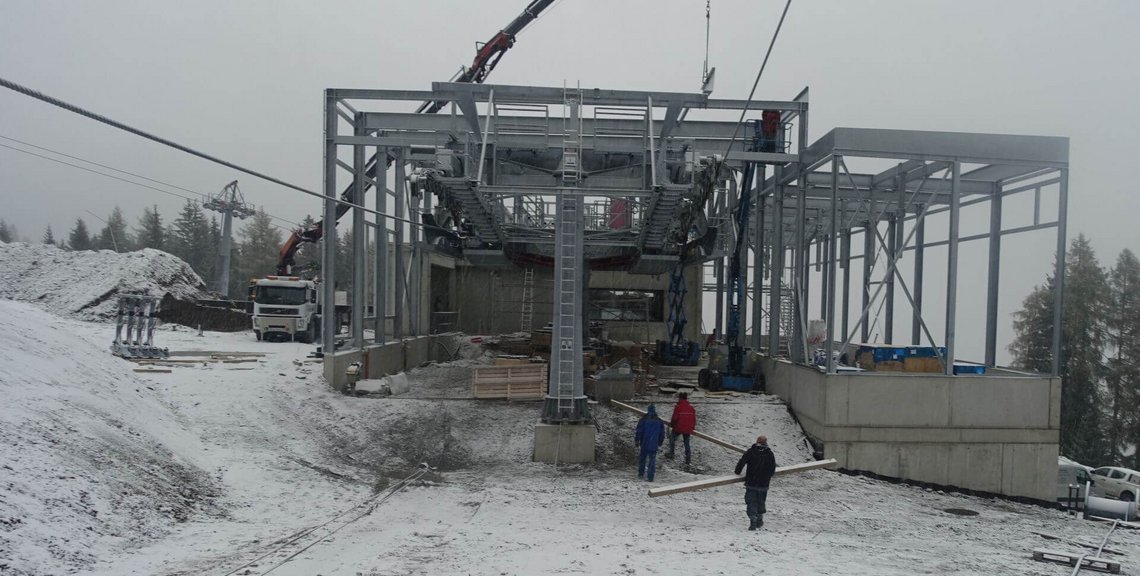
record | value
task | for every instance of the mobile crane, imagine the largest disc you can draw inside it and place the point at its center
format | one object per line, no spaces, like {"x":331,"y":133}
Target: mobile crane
{"x":486,"y":59}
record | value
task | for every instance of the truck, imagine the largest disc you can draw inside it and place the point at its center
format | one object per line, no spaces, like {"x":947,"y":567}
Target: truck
{"x":288,"y":308}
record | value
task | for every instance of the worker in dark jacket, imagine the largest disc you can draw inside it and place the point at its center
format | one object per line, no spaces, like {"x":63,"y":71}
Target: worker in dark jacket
{"x":761,"y":465}
{"x":682,"y":423}
{"x":649,"y":435}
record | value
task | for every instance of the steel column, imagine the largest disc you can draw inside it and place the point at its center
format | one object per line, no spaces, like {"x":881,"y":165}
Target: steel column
{"x":380,"y":267}
{"x":718,"y":273}
{"x":868,"y":263}
{"x":359,"y":235}
{"x":829,"y":288}
{"x":799,"y":260}
{"x":919,"y":261}
{"x":401,"y":278}
{"x":1059,"y":272}
{"x":328,"y":249}
{"x":889,"y":306}
{"x":776,"y":267}
{"x":758,"y":260}
{"x":952,"y":266}
{"x":992,"y":278}
{"x":845,"y":303}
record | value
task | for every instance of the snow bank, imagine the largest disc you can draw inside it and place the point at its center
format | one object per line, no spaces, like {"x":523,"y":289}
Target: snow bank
{"x":85,"y":284}
{"x":90,"y":461}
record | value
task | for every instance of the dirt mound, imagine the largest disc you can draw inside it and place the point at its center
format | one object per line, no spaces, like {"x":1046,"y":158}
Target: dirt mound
{"x":85,"y":284}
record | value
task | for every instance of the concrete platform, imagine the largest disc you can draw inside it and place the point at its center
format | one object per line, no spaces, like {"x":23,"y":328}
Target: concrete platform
{"x":564,"y":443}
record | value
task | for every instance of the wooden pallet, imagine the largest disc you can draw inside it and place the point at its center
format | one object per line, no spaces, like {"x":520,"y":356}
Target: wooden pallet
{"x":1071,"y":559}
{"x":524,"y":382}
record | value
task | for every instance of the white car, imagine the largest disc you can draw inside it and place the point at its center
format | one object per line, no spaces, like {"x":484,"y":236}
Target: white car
{"x":1117,"y":482}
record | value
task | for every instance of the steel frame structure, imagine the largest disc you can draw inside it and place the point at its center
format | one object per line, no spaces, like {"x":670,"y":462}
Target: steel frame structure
{"x":491,"y":172}
{"x":829,"y":204}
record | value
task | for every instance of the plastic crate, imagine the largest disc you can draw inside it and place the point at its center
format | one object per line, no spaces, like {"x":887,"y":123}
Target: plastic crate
{"x":968,"y":368}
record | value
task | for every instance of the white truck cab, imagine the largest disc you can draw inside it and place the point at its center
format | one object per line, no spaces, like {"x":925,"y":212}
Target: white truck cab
{"x":285,"y":308}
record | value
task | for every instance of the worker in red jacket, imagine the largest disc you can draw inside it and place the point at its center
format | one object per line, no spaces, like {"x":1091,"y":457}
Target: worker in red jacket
{"x":682,"y":423}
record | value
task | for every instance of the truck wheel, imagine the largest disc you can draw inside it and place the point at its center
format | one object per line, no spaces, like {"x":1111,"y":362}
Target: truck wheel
{"x":257,"y":333}
{"x":1127,"y":497}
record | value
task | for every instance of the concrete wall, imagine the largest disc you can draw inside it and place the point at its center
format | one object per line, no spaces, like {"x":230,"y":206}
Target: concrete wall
{"x":488,"y":301}
{"x":994,"y":433}
{"x":382,"y":360}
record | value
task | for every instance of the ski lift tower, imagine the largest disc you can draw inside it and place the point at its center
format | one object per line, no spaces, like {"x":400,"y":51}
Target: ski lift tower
{"x":230,"y":203}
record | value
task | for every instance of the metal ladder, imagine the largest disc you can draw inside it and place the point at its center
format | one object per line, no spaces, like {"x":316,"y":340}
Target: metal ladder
{"x":566,"y":400}
{"x":527,"y":309}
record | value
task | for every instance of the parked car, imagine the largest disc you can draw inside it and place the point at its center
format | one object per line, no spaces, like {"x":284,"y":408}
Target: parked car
{"x":1071,"y":473}
{"x":1117,"y":482}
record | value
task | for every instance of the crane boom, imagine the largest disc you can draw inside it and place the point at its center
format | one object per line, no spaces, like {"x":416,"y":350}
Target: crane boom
{"x":486,"y":58}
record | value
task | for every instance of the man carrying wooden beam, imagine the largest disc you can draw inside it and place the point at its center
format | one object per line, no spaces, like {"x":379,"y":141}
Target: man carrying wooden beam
{"x":761,"y":464}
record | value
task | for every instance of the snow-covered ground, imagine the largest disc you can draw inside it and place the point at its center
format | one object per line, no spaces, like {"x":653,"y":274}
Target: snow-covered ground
{"x":84,"y":283}
{"x":272,"y":453}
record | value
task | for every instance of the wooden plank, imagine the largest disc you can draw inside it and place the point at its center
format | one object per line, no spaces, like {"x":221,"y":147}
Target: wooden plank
{"x":153,"y":370}
{"x":733,"y":479}
{"x":696,"y":433}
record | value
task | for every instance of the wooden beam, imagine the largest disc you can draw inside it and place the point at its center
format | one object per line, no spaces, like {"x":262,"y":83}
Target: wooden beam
{"x":733,"y":479}
{"x":700,"y":435}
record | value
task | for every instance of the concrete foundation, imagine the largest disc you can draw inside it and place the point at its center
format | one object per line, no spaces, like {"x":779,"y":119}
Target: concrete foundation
{"x":564,"y":443}
{"x":995,"y":433}
{"x":383,"y":359}
{"x":606,"y":389}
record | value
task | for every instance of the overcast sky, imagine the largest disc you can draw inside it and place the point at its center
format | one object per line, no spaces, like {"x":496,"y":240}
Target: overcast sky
{"x":244,"y":80}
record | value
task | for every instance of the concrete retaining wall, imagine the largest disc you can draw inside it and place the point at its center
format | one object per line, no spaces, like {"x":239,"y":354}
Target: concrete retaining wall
{"x":994,"y":433}
{"x":382,"y":360}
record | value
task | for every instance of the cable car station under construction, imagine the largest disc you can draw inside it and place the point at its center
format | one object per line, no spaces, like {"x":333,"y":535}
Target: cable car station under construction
{"x":589,"y":214}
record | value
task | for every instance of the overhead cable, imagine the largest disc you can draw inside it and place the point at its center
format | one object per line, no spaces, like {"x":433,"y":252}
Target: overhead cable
{"x":165,"y":142}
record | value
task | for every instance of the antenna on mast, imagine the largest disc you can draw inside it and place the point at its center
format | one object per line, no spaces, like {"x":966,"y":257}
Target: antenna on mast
{"x":707,"y":75}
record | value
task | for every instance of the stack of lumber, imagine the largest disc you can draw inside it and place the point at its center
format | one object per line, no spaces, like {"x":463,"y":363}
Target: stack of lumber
{"x":521,"y":382}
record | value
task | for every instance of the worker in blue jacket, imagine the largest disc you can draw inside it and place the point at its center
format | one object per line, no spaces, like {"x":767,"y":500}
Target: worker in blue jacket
{"x":649,"y":436}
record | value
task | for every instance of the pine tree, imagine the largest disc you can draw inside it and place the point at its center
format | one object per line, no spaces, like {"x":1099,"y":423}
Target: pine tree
{"x":260,"y":242}
{"x":149,"y":233}
{"x":79,"y":238}
{"x":188,"y":238}
{"x":49,"y":238}
{"x":6,"y":234}
{"x":307,"y":260}
{"x":1082,"y":343}
{"x":1123,"y":378}
{"x":114,"y":235}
